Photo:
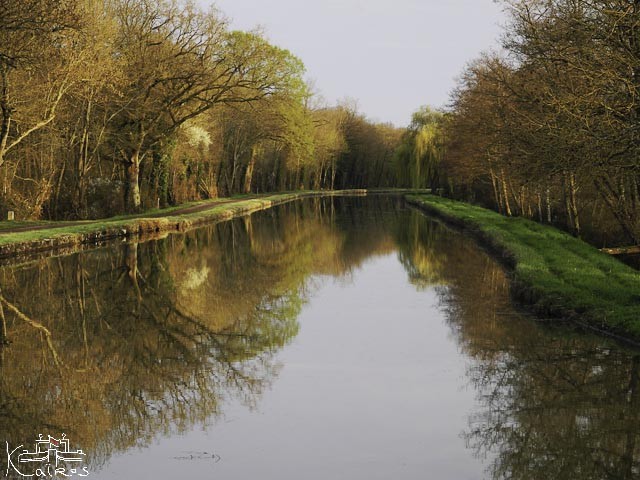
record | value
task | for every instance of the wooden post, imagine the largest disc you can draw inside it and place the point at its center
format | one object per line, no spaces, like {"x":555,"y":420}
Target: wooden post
{"x":11,"y":215}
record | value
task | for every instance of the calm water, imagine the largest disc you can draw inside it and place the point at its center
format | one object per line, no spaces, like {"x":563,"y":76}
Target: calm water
{"x":324,"y":339}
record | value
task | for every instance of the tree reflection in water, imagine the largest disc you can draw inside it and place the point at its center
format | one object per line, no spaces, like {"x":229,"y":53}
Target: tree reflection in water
{"x":153,"y":337}
{"x":553,"y":403}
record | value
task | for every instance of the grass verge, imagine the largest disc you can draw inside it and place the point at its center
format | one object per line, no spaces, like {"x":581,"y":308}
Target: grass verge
{"x":66,"y":238}
{"x":555,"y":273}
{"x":69,"y":237}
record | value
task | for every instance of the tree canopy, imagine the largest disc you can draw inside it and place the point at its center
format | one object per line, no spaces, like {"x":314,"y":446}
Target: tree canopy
{"x":549,"y":127}
{"x":116,"y":105}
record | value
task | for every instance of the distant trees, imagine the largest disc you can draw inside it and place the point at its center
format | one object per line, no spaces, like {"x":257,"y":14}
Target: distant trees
{"x":421,"y":149}
{"x":114,"y":105}
{"x":550,"y":129}
{"x":368,"y":157}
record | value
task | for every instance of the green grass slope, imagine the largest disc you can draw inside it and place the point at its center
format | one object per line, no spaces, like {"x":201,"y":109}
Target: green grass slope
{"x":21,"y":238}
{"x":554,"y":272}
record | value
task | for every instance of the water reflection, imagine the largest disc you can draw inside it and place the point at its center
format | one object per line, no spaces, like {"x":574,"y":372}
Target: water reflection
{"x":118,"y":346}
{"x":553,"y":404}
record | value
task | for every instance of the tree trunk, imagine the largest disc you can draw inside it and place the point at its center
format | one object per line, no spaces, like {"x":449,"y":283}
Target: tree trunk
{"x":231,"y":184}
{"x":570,"y":190}
{"x":333,"y":175}
{"x":5,"y":109}
{"x":606,"y":190}
{"x":79,"y":199}
{"x":248,"y":175}
{"x":131,"y":264}
{"x":324,"y":170}
{"x":518,"y":198}
{"x":573,"y":190}
{"x":296,"y":180}
{"x":548,"y":198}
{"x":539,"y":204}
{"x":132,"y":185}
{"x":3,"y":328}
{"x":567,"y":202}
{"x":496,"y":194}
{"x":505,"y":193}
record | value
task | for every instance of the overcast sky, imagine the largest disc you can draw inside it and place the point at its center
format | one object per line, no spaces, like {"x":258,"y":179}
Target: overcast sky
{"x":390,"y":55}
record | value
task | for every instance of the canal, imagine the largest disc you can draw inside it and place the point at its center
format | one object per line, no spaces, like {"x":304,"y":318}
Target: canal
{"x":336,"y":338}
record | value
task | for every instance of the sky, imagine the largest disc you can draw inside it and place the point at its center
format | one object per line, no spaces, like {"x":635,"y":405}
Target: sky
{"x":391,"y":56}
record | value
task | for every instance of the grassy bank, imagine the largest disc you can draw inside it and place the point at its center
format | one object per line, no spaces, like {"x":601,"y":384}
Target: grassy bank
{"x":557,"y":274}
{"x":70,"y":237}
{"x":66,"y":237}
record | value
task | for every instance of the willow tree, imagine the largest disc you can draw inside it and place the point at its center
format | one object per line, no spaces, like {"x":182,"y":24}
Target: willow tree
{"x":421,"y":149}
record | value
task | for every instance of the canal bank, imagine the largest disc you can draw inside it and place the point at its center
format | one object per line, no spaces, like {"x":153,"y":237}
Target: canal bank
{"x":19,"y":240}
{"x":555,"y":274}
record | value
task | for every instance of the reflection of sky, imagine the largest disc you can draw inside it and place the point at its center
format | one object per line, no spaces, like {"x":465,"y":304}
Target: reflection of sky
{"x":379,"y":383}
{"x":392,"y":56}
{"x":371,"y":388}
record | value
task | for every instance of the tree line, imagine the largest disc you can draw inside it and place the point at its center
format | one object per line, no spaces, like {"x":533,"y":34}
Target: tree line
{"x":119,"y":105}
{"x":548,"y":128}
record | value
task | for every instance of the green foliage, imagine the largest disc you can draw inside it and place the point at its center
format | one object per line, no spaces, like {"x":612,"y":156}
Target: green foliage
{"x":109,"y":106}
{"x":559,"y":273}
{"x":418,"y":157}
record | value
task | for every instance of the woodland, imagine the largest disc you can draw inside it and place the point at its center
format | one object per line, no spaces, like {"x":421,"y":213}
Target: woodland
{"x":111,"y":106}
{"x":548,"y":127}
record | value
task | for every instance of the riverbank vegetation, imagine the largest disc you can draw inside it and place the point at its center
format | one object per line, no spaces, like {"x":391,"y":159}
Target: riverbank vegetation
{"x":556,"y":273}
{"x":109,"y":106}
{"x":29,"y":238}
{"x":547,"y":128}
